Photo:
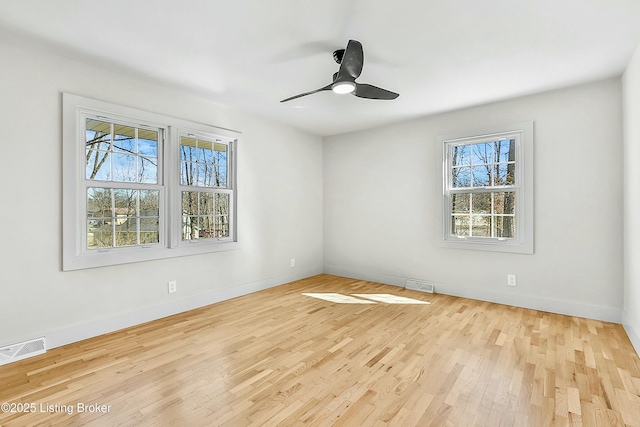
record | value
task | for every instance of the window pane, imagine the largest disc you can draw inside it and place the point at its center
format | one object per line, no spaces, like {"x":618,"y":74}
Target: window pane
{"x":189,"y":203}
{"x":207,"y":205}
{"x":98,"y":165}
{"x":125,"y":202}
{"x":222,"y":204}
{"x":504,"y":226}
{"x":504,"y":203}
{"x":98,"y":135}
{"x":505,"y":174}
{"x":221,"y":177}
{"x":481,"y":203}
{"x":481,"y":153}
{"x":148,"y":142}
{"x":189,"y":228}
{"x":221,"y":154}
{"x":460,"y":155}
{"x":149,"y":203}
{"x":124,"y":139}
{"x":481,"y":176}
{"x":126,"y":231}
{"x":461,"y":202}
{"x":124,"y":168}
{"x":148,"y":170}
{"x":149,"y":230}
{"x":98,"y":202}
{"x":222,"y":226}
{"x":186,"y":227}
{"x":505,"y":150}
{"x":99,"y":234}
{"x":98,"y":143}
{"x":207,"y":227}
{"x":460,"y":225}
{"x":187,"y":148}
{"x":205,"y":152}
{"x":461,"y":177}
{"x":481,"y":226}
{"x":187,"y":173}
{"x":204,"y":175}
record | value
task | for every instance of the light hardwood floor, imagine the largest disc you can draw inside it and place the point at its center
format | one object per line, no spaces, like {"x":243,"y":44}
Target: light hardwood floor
{"x":280,"y":358}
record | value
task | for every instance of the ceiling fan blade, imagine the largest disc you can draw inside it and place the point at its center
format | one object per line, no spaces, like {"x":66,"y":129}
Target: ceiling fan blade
{"x":352,"y":60}
{"x":328,"y":87}
{"x":364,"y":90}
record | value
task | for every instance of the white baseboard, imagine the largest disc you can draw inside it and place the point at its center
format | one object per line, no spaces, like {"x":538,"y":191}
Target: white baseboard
{"x":632,"y":333}
{"x":570,"y":308}
{"x":75,"y":333}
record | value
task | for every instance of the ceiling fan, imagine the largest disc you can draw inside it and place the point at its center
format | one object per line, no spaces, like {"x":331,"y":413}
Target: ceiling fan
{"x":351,"y":61}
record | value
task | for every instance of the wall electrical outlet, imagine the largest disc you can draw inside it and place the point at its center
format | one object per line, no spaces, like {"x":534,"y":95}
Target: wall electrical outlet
{"x":511,"y":279}
{"x":293,"y":262}
{"x":172,"y":286}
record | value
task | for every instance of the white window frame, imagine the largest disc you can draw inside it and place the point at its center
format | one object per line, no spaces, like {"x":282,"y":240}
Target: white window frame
{"x":522,"y":242}
{"x":75,"y":254}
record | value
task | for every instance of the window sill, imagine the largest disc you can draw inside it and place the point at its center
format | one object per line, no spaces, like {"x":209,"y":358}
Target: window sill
{"x":487,"y":244}
{"x":118,"y":256}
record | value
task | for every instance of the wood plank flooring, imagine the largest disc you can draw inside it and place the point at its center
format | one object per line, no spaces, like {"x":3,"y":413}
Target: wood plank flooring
{"x":280,"y":358}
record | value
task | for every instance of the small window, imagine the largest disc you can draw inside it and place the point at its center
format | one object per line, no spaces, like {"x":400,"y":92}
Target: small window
{"x":488,"y":195}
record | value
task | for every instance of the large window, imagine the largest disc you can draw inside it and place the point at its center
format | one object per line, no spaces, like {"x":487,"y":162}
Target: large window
{"x":488,"y":194}
{"x":139,"y":186}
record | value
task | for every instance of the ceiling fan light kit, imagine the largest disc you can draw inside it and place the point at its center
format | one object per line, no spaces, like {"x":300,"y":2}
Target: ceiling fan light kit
{"x":351,"y":61}
{"x":343,"y":87}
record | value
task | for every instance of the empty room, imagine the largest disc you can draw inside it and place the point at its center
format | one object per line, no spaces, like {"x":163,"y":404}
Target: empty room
{"x":356,"y":213}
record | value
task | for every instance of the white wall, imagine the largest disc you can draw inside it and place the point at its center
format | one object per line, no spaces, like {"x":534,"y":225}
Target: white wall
{"x":382,"y":190}
{"x":280,"y":202}
{"x":631,"y":96}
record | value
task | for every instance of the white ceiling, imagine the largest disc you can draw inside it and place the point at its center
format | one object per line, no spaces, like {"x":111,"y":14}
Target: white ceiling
{"x":249,"y":54}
